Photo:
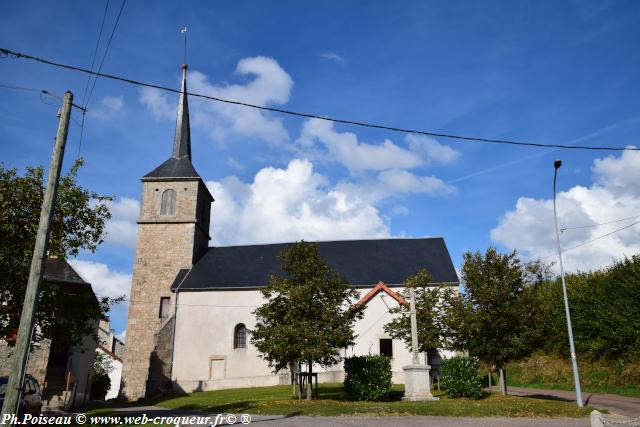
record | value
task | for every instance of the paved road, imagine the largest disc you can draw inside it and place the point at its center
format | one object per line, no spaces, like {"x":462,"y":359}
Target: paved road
{"x":364,"y":421}
{"x":623,"y":405}
{"x":368,"y":421}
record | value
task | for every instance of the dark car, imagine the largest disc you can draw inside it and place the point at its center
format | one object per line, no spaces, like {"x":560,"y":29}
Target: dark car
{"x":31,"y":402}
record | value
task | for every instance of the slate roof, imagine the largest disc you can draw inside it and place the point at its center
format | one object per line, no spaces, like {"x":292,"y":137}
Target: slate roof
{"x":362,"y":262}
{"x":174,"y":168}
{"x":58,"y":273}
{"x":57,"y":270}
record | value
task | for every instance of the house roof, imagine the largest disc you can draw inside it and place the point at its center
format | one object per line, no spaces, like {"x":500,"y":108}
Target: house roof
{"x":381,"y":287}
{"x":361,"y":262}
{"x":58,"y":270}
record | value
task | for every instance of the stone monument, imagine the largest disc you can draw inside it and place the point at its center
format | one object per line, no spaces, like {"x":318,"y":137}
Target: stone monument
{"x":417,"y":387}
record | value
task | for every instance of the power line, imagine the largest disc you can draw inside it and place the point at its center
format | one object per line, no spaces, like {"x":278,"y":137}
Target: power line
{"x":7,"y":52}
{"x":41,"y":92}
{"x":106,"y":50}
{"x":113,"y":31}
{"x":86,"y":86}
{"x":26,"y":89}
{"x":594,"y":239}
{"x":598,"y":225}
{"x":95,"y":52}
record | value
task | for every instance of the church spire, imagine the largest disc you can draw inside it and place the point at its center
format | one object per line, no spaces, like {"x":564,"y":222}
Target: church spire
{"x":182,"y":139}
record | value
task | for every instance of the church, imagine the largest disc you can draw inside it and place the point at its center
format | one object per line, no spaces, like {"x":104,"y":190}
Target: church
{"x":191,"y":305}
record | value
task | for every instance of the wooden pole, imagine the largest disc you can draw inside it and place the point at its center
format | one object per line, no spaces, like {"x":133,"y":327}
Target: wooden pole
{"x":30,"y":305}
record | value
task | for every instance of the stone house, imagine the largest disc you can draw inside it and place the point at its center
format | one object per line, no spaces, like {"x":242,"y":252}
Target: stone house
{"x":191,"y":305}
{"x":63,"y":372}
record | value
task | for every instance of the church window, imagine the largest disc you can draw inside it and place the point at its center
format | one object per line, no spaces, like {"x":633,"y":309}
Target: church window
{"x":386,"y":347}
{"x":164,"y":307}
{"x":240,"y":336}
{"x":168,"y":203}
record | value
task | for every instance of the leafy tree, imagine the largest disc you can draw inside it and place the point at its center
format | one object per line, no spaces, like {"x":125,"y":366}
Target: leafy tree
{"x":428,"y":314}
{"x":100,"y":381}
{"x":78,"y":224}
{"x":604,"y":313}
{"x":489,"y":320}
{"x":309,"y":313}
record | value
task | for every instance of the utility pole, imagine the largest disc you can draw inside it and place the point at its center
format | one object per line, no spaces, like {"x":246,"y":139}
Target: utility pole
{"x":30,"y":305}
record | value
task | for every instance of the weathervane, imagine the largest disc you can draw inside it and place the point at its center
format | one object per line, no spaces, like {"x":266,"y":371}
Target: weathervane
{"x":184,"y":32}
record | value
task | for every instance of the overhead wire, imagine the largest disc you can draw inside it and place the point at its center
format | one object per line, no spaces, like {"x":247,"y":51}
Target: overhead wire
{"x":113,"y":31}
{"x":8,"y":52}
{"x":95,"y":52}
{"x":27,"y":89}
{"x":598,"y":225}
{"x":594,"y":239}
{"x":97,"y":74}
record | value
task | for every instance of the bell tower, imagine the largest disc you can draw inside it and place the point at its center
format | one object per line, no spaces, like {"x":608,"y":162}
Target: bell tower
{"x":173,"y":233}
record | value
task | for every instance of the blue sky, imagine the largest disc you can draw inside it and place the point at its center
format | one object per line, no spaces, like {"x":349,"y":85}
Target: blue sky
{"x":547,"y":72}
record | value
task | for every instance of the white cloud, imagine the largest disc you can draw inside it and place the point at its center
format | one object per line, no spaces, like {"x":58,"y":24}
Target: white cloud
{"x":332,"y":56}
{"x":436,"y":152}
{"x":271,"y":85}
{"x":105,"y":282}
{"x":121,"y":228}
{"x":122,"y":335}
{"x":158,"y":103}
{"x":400,"y":210}
{"x":395,"y":183}
{"x":620,"y":175}
{"x":109,"y":107}
{"x":234,"y":163}
{"x":287,"y":205}
{"x":613,"y":195}
{"x":356,"y":156}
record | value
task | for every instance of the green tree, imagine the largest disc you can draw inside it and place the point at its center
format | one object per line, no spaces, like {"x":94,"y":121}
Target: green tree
{"x":309,"y":313}
{"x":490,"y":318}
{"x":428,"y":314}
{"x":100,"y":381}
{"x":604,"y":313}
{"x":78,"y":224}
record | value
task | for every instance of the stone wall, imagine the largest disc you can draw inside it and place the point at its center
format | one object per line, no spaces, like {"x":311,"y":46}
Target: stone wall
{"x":38,"y":360}
{"x":165,"y":244}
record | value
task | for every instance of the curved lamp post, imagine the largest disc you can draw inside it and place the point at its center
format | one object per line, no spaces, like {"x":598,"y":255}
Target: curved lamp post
{"x":576,"y":376}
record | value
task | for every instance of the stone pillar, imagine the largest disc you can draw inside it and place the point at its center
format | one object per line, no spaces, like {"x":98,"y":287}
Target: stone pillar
{"x":417,"y":385}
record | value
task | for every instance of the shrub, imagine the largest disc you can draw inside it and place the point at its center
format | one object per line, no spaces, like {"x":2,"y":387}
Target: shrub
{"x":367,"y":377}
{"x":461,"y":377}
{"x":100,"y":385}
{"x":100,"y":381}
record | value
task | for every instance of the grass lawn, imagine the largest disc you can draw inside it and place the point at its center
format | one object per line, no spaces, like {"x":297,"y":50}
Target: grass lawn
{"x":630,"y":391}
{"x":554,"y":373}
{"x":277,"y":401}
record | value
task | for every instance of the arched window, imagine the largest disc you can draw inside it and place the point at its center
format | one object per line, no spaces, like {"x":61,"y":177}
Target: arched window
{"x":168,"y":203}
{"x":240,"y":336}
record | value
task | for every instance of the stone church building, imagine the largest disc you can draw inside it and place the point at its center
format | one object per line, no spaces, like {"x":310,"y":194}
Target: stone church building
{"x":191,"y":305}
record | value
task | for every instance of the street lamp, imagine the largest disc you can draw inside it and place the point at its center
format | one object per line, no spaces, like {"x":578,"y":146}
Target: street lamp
{"x":574,"y":363}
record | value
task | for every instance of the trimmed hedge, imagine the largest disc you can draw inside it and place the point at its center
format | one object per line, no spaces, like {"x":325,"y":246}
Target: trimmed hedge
{"x":367,"y":377}
{"x":461,"y":377}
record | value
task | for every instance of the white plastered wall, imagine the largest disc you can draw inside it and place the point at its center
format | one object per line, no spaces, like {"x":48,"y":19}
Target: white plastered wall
{"x":204,"y":357}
